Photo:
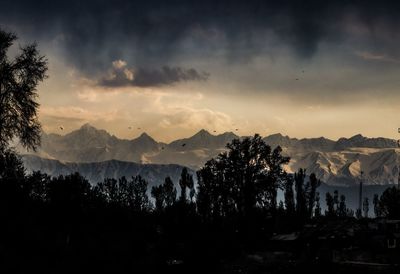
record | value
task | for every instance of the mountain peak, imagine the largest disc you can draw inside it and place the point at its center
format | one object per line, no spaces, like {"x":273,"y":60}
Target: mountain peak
{"x":87,"y":126}
{"x":202,"y":132}
{"x":357,"y":137}
{"x":145,"y":137}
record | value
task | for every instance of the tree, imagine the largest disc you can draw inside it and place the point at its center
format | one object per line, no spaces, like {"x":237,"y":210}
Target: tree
{"x":185,"y":182}
{"x":157,"y":192}
{"x":366,"y":207}
{"x":169,"y":192}
{"x":137,"y":194}
{"x":314,"y":183}
{"x":389,"y":203}
{"x":289,"y":196}
{"x":342,"y":211}
{"x":165,"y":194}
{"x":301,"y":199}
{"x":317,"y":212}
{"x":18,"y":82}
{"x":69,"y":193}
{"x":37,"y":186}
{"x":244,"y":178}
{"x":377,"y":209}
{"x":330,"y":205}
{"x":336,"y":200}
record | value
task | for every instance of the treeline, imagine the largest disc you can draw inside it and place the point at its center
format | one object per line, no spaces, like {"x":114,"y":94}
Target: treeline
{"x":238,"y":184}
{"x":233,"y":207}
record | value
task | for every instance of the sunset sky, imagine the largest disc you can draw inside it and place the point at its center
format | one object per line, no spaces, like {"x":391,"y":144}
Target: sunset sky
{"x":171,"y":68}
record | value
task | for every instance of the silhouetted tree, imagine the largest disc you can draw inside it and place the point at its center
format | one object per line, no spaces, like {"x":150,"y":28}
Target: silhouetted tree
{"x":330,"y":203}
{"x":169,"y":192}
{"x":389,"y":203}
{"x":301,"y":199}
{"x":318,"y":211}
{"x":336,"y":200}
{"x":157,"y":192}
{"x":349,"y":212}
{"x":314,"y":183}
{"x":289,"y":195}
{"x":366,"y":207}
{"x":70,"y":192}
{"x":377,"y":209}
{"x":342,"y":212}
{"x":245,"y":177}
{"x":185,"y":182}
{"x":110,"y":191}
{"x":137,"y":194}
{"x":11,"y":166}
{"x":18,"y":81}
{"x":37,"y":186}
{"x":164,"y":195}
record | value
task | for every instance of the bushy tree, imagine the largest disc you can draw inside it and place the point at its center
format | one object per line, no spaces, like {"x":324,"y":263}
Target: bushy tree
{"x":242,"y":179}
{"x":131,"y":194}
{"x":389,"y":203}
{"x":19,"y":78}
{"x":164,"y":195}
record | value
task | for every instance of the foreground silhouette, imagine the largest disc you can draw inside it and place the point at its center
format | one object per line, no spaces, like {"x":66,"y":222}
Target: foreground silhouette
{"x":232,"y":223}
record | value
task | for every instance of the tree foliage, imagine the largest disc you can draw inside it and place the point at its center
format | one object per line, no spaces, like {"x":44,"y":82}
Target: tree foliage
{"x":242,"y":179}
{"x":19,"y":78}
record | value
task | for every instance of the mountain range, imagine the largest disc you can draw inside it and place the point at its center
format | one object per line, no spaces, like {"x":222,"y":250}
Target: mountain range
{"x":334,"y":162}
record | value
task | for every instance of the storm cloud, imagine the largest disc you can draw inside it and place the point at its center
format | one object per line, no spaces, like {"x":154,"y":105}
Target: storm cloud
{"x":152,"y":34}
{"x":120,"y":75}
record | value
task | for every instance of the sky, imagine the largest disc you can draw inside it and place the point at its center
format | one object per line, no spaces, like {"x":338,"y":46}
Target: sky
{"x":171,"y":68}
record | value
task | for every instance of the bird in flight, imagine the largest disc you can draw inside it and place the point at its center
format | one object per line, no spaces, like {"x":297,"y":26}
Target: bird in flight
{"x":62,"y":128}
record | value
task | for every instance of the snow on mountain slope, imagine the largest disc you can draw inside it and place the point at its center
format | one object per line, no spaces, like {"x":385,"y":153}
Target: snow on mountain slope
{"x":335,"y":162}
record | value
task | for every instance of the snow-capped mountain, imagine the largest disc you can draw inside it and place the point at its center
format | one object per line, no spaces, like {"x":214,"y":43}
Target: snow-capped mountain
{"x":335,"y":162}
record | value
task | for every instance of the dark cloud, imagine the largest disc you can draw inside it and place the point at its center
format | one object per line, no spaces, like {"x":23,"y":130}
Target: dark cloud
{"x":122,"y":76}
{"x":150,"y":34}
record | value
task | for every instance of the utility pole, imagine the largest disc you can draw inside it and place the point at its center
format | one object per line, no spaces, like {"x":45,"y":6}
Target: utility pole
{"x":359,"y":211}
{"x":398,"y":164}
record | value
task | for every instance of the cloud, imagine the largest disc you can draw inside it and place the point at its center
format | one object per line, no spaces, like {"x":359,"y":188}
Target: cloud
{"x":192,"y":118}
{"x":120,"y":75}
{"x":93,"y":33}
{"x":376,"y":57}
